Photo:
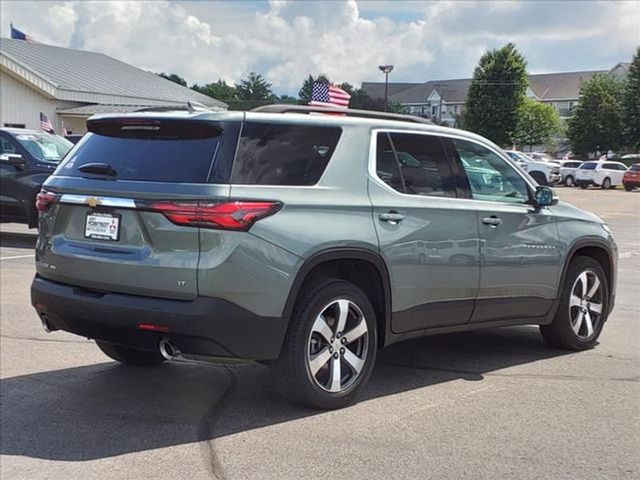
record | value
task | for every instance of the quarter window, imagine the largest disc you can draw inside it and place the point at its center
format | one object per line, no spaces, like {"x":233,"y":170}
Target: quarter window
{"x":283,"y":154}
{"x":414,"y":164}
{"x":490,"y":177}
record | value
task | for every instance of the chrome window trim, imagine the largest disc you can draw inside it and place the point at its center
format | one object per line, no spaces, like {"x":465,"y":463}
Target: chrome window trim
{"x":373,"y":174}
{"x":116,"y":202}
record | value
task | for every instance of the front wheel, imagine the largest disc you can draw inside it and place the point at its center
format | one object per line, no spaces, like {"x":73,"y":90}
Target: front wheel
{"x":583,"y":308}
{"x":568,"y":181}
{"x":330,"y":348}
{"x":130,"y":356}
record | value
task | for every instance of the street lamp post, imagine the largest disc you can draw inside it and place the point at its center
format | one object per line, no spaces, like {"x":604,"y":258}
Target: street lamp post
{"x":386,"y":69}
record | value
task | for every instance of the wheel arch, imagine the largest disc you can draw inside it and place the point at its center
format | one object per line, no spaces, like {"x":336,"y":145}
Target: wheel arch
{"x":601,"y":252}
{"x":354,"y":265}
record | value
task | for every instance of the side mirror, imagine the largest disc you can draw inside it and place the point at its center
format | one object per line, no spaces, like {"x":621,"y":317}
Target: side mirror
{"x":545,"y":197}
{"x":14,"y":159}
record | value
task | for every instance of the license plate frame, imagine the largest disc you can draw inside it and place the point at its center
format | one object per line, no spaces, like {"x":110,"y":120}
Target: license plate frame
{"x":102,"y":227}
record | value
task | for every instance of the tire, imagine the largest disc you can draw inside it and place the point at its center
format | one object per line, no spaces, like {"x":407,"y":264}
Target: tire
{"x":292,"y":372}
{"x":539,"y":178}
{"x":568,"y":181}
{"x":571,"y":329}
{"x":606,"y":184}
{"x":628,"y":188}
{"x":130,"y":356}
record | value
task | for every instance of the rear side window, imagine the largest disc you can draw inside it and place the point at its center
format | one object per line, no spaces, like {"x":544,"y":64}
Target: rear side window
{"x":414,"y":164}
{"x":281,"y":154}
{"x":172,"y":153}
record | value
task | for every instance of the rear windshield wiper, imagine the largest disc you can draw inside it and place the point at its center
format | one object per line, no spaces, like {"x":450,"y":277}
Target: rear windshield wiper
{"x":98,"y":169}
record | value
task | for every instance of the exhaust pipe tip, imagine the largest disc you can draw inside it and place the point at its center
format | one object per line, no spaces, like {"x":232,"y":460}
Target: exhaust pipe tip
{"x":167,"y":350}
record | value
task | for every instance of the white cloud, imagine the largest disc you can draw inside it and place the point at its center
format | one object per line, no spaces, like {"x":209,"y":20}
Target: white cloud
{"x":287,"y":40}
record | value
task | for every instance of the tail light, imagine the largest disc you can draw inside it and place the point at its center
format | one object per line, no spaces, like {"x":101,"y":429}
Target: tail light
{"x":228,"y":216}
{"x":44,"y":199}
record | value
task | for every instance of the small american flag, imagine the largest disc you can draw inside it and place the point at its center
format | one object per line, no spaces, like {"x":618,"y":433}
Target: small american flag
{"x":45,"y":123}
{"x":326,"y":95}
{"x":20,"y":35}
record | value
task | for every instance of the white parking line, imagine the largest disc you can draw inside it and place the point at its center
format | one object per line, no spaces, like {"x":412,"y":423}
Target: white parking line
{"x":15,"y":257}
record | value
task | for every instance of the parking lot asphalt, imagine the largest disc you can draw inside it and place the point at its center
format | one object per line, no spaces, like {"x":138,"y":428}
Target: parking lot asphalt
{"x":488,"y":404}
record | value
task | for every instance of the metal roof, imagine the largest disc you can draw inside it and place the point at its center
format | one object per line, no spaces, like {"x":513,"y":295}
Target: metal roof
{"x":90,"y":72}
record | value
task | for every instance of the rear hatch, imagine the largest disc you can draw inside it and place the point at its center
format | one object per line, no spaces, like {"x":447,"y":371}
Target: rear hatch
{"x":122,"y":212}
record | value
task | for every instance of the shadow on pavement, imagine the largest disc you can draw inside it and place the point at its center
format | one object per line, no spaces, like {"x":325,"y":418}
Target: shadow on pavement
{"x":18,"y":240}
{"x":103,"y":410}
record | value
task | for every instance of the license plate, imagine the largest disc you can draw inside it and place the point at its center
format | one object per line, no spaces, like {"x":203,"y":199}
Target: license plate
{"x":102,"y":226}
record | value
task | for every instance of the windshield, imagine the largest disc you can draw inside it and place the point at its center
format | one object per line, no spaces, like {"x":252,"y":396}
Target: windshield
{"x":45,"y":146}
{"x":588,"y":166}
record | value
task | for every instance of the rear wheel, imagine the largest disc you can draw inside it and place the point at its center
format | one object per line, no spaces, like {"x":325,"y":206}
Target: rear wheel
{"x":330,"y":348}
{"x":130,"y":356}
{"x":583,"y":307}
{"x":628,"y":188}
{"x":606,"y":184}
{"x":568,"y":181}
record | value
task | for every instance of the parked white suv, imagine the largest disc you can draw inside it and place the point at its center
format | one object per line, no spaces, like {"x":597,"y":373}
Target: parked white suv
{"x":568,"y":170}
{"x":600,"y":174}
{"x":542,"y":171}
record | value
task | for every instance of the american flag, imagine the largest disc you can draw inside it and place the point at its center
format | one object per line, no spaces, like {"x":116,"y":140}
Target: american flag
{"x":45,"y":123}
{"x":326,"y":95}
{"x":20,"y":35}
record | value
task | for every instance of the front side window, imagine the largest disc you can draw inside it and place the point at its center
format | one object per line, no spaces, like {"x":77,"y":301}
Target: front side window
{"x":283,"y":154}
{"x":414,"y":164}
{"x":490,"y":177}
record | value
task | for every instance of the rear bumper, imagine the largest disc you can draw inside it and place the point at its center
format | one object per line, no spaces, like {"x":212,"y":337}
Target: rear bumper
{"x":204,"y":326}
{"x":631,"y":183}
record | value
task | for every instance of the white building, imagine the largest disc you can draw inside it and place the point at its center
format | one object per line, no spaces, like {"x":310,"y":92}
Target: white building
{"x":69,"y":86}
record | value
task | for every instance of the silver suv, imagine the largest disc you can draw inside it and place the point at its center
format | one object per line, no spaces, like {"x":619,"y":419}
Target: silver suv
{"x":306,"y":241}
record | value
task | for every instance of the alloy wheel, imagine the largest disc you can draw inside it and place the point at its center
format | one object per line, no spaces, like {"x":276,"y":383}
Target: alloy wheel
{"x":585,"y":304}
{"x":338,"y":346}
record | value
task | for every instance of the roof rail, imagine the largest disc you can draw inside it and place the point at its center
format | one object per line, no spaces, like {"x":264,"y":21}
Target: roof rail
{"x":283,"y":108}
{"x":190,"y":106}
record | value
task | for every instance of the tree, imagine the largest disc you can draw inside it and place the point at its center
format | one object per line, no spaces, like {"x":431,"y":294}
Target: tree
{"x":287,"y":99}
{"x":596,"y":124}
{"x":219,"y":90}
{"x":537,"y":122}
{"x":254,"y":88}
{"x":497,"y":90}
{"x":174,"y":77}
{"x":304,"y":94}
{"x":631,"y":112}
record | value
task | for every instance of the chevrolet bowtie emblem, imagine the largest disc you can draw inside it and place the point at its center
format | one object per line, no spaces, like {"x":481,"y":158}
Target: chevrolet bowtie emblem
{"x":93,"y":201}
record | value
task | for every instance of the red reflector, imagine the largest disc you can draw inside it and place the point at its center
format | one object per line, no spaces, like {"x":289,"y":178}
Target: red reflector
{"x":153,"y":328}
{"x":229,"y":215}
{"x":44,"y":199}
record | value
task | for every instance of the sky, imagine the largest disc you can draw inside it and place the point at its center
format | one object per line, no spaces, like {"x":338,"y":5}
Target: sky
{"x":204,"y":40}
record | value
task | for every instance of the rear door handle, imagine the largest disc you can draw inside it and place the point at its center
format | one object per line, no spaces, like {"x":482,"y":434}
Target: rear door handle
{"x":391,"y":217}
{"x":492,"y":221}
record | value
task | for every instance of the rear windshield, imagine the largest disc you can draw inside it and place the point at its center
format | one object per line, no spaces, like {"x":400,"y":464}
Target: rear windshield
{"x":45,"y":146}
{"x":588,"y":166}
{"x":635,"y":167}
{"x":281,"y":154}
{"x":187,"y":160}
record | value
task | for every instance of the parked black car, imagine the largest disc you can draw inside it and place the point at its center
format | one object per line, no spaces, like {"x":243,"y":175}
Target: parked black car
{"x":27,"y":158}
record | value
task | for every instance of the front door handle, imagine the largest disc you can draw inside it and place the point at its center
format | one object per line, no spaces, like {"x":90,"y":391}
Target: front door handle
{"x":391,"y":217}
{"x":492,"y":221}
